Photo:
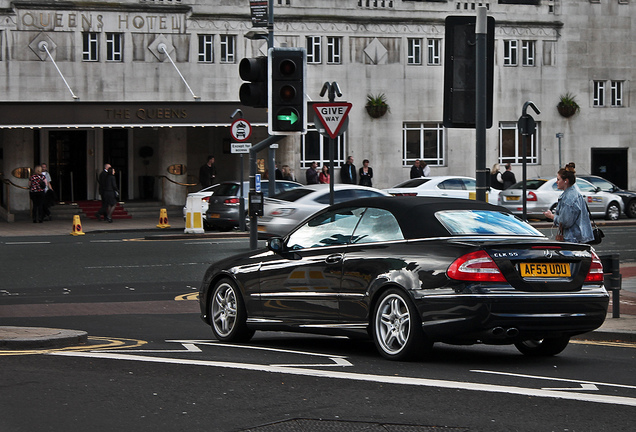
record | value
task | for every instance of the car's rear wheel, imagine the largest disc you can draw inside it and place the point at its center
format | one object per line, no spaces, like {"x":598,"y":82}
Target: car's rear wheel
{"x":227,"y":313}
{"x":543,"y":347}
{"x":613,"y":211}
{"x":631,"y":209}
{"x":396,"y":327}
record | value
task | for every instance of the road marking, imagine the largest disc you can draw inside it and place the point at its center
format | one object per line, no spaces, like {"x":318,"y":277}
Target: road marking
{"x":605,"y":343}
{"x":105,"y":241}
{"x":99,"y":343}
{"x":539,"y":377}
{"x":583,"y":387}
{"x":191,"y":296}
{"x":144,"y":266}
{"x":28,"y":243}
{"x":333,"y":374}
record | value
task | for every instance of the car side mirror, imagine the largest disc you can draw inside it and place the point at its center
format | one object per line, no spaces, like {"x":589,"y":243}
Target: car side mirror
{"x":597,"y":190}
{"x":276,"y":245}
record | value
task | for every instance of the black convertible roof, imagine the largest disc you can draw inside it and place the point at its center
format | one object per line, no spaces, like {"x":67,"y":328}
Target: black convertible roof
{"x":415,"y":213}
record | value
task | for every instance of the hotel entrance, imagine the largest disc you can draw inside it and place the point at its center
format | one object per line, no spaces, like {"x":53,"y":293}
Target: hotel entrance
{"x":67,"y":164}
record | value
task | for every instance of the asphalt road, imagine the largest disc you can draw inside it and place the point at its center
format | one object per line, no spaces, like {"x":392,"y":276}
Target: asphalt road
{"x":152,"y":364}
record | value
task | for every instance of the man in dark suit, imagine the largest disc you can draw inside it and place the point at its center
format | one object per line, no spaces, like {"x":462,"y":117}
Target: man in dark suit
{"x":348,"y":173}
{"x":101,"y":180}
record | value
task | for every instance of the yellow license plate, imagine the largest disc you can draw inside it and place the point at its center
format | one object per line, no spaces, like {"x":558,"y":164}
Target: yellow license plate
{"x":545,"y":270}
{"x":215,"y":215}
{"x":512,"y":198}
{"x":261,"y":228}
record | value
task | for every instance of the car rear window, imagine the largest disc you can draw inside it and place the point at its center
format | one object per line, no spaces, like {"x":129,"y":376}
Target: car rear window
{"x":227,"y":189}
{"x":530,"y":184}
{"x":412,"y":183}
{"x":293,"y":195}
{"x":484,"y":222}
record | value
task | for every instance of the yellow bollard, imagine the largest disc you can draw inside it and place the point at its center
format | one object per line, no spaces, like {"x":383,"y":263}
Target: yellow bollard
{"x":163,"y":219}
{"x":77,"y":226}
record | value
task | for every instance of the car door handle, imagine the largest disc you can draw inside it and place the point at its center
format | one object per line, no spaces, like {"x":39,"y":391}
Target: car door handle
{"x":333,"y":259}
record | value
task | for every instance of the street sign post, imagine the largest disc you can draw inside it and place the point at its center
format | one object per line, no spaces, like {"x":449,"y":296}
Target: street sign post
{"x":333,"y":116}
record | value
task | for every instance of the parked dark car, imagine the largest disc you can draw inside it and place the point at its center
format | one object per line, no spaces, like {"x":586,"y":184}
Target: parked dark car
{"x":223,"y":204}
{"x":629,"y":197}
{"x":411,"y":271}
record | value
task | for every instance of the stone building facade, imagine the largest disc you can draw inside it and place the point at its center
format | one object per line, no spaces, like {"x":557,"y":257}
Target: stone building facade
{"x":151,"y":86}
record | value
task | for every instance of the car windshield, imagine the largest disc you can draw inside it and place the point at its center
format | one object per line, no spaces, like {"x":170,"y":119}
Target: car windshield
{"x":602,"y":183}
{"x":484,"y":222}
{"x":530,"y":184}
{"x":413,"y":183}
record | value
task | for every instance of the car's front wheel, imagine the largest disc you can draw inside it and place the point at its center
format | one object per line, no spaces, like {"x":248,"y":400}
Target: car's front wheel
{"x":227,"y":313}
{"x":613,"y":211}
{"x":396,"y":327}
{"x":543,"y":347}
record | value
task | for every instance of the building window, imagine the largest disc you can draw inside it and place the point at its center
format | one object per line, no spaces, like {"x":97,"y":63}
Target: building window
{"x":527,"y":53}
{"x":616,"y":93}
{"x":313,"y":49}
{"x":334,"y":48}
{"x":424,"y":141}
{"x":206,"y":48}
{"x":315,"y":148}
{"x":90,"y":47}
{"x":434,"y":52}
{"x":414,"y":54}
{"x":114,"y":42}
{"x":511,"y":144}
{"x":599,"y":94}
{"x":510,"y":53}
{"x":228,"y":43}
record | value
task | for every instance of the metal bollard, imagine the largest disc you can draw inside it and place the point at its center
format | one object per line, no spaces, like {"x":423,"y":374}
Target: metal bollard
{"x":613,"y":280}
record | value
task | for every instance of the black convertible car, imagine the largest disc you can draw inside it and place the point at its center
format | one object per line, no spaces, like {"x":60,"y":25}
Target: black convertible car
{"x":411,"y":271}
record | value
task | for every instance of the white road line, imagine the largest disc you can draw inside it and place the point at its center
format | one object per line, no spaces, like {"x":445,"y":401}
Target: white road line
{"x":332,"y":374}
{"x":539,"y":377}
{"x":28,"y":243}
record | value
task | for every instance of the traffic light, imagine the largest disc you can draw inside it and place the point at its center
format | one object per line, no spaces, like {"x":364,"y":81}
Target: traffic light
{"x":460,"y":69}
{"x":254,"y":93}
{"x":287,"y":103}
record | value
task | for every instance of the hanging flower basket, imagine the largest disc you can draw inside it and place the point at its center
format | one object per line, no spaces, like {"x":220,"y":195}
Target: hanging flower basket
{"x":376,"y":111}
{"x":566,"y":110}
{"x":567,"y":106}
{"x":376,"y":105}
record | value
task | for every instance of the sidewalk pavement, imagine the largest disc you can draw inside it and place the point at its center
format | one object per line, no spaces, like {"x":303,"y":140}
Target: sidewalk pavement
{"x":622,"y":329}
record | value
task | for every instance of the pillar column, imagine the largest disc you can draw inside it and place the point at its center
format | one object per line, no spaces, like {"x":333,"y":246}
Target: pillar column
{"x":173,"y":150}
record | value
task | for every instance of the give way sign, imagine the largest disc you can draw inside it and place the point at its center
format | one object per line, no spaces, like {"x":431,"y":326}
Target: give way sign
{"x":332,"y":116}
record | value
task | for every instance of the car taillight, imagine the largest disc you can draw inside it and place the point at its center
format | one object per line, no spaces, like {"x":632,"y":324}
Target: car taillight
{"x":531,"y":196}
{"x":232,"y":201}
{"x":596,"y":270}
{"x":475,"y":267}
{"x":205,"y":199}
{"x":282,"y":212}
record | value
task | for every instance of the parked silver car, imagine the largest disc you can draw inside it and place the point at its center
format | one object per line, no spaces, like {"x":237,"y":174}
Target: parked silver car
{"x":543,"y":194}
{"x":286,"y":210}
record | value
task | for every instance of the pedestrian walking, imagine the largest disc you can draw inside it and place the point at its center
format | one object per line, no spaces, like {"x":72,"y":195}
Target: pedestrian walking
{"x":101,"y":180}
{"x":324,"y":177}
{"x":416,"y":170}
{"x":207,"y":173}
{"x":496,"y":181}
{"x":111,"y":193}
{"x":508,"y":177}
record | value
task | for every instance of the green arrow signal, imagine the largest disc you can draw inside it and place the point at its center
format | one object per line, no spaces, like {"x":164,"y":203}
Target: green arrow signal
{"x":292,"y":118}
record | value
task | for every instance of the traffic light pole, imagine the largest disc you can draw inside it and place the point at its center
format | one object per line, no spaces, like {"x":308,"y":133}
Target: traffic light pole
{"x":481,"y":105}
{"x":253,"y":150}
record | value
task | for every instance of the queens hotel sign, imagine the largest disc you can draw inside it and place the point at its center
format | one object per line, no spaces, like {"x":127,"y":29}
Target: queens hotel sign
{"x":57,"y":20}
